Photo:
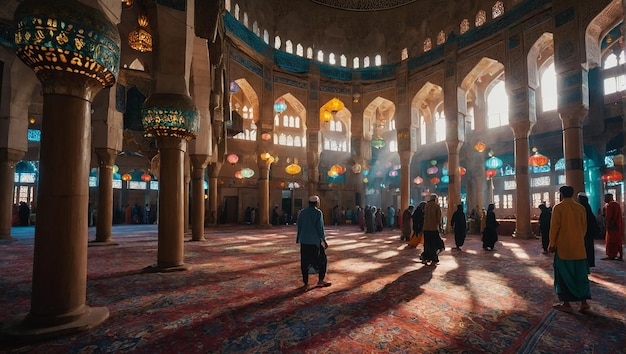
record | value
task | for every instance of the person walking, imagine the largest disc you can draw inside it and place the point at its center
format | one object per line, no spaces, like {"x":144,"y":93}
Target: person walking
{"x":592,"y":229}
{"x":312,"y":239}
{"x":406,"y":224}
{"x":544,"y":226}
{"x":391,"y":216}
{"x":567,"y":242}
{"x":614,"y":226}
{"x":459,"y":225}
{"x":433,"y":244}
{"x":418,"y":226}
{"x":490,"y":234}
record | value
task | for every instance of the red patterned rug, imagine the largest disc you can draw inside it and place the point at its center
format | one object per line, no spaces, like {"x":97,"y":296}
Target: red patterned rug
{"x":241,"y":296}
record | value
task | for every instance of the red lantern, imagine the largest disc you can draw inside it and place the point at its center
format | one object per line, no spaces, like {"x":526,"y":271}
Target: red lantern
{"x":146,"y":177}
{"x":490,"y":173}
{"x":435,"y":180}
{"x":537,"y":160}
{"x":480,"y":146}
{"x":238,"y":175}
{"x":462,"y":170}
{"x":612,"y":176}
{"x":266,"y":136}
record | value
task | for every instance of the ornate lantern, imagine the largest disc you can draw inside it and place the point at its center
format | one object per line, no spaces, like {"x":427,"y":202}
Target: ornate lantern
{"x":356,"y":168}
{"x":445,"y":179}
{"x":493,"y":163}
{"x":146,"y":177}
{"x":280,"y":105}
{"x":232,"y":159}
{"x":393,"y":173}
{"x":490,"y":173}
{"x":432,"y":170}
{"x":335,"y":105}
{"x":127,"y":177}
{"x":612,"y":176}
{"x":435,"y":180}
{"x":140,"y":39}
{"x":537,"y":159}
{"x":332,"y":173}
{"x":418,"y":180}
{"x":247,"y":172}
{"x":238,"y":174}
{"x":462,"y":171}
{"x":234,"y":87}
{"x":326,"y":116}
{"x":293,"y":169}
{"x":480,"y":146}
{"x":378,"y":142}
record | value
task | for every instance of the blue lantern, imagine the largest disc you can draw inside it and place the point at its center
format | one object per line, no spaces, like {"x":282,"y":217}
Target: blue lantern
{"x":493,"y":163}
{"x":445,"y":179}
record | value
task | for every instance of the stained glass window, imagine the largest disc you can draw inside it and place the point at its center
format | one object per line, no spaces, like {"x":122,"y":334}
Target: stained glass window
{"x":481,"y":17}
{"x":441,"y":38}
{"x":464,"y":26}
{"x":497,"y":10}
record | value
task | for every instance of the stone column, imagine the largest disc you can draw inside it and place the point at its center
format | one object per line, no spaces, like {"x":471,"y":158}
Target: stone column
{"x":8,"y":159}
{"x":213,"y":172}
{"x":186,"y":182}
{"x":79,"y":59}
{"x":199,"y":163}
{"x":573,"y":148}
{"x":405,"y":179}
{"x":454,"y":185}
{"x":104,"y":222}
{"x":264,"y":192}
{"x":521,"y":130}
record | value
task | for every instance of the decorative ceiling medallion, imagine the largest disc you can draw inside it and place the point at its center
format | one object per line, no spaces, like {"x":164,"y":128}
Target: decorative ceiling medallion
{"x":363,"y":5}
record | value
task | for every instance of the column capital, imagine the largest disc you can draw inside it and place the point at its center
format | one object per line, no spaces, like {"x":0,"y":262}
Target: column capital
{"x":11,"y":155}
{"x":405,"y":157}
{"x":454,"y":146}
{"x":106,"y":157}
{"x":521,"y":128}
{"x":199,"y":161}
{"x":573,"y":117}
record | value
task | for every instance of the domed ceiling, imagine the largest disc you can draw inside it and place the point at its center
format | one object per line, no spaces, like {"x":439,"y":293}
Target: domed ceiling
{"x":363,"y":5}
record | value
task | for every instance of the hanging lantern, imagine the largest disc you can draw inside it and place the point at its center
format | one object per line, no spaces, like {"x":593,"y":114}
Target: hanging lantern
{"x":238,"y":174}
{"x":433,"y":162}
{"x":293,"y":169}
{"x":490,"y":173}
{"x":432,"y":170}
{"x":335,"y":168}
{"x":331,"y":173}
{"x":232,"y":159}
{"x":618,"y":160}
{"x":342,"y":170}
{"x":140,"y":39}
{"x":266,"y":136}
{"x":435,"y":180}
{"x":356,"y":168}
{"x":146,"y":177}
{"x":365,"y":180}
{"x":326,"y":116}
{"x":127,"y":177}
{"x":493,"y":163}
{"x":247,"y":172}
{"x":462,"y":170}
{"x":537,"y":159}
{"x":116,"y":169}
{"x":378,"y":142}
{"x":418,"y":180}
{"x":480,"y":146}
{"x":234,"y":88}
{"x":612,"y":176}
{"x":393,"y":173}
{"x":280,"y":105}
{"x":445,"y":179}
{"x":366,"y":171}
{"x":335,"y":105}
{"x":444,"y":171}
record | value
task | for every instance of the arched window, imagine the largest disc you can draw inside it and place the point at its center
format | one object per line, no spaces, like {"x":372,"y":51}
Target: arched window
{"x":422,"y":130}
{"x":309,"y":53}
{"x":253,"y":135}
{"x":297,"y":122}
{"x":331,"y":59}
{"x":285,"y":120}
{"x":470,"y":118}
{"x":405,"y":54}
{"x":276,"y":120}
{"x":289,"y":140}
{"x":331,"y":126}
{"x":237,"y":12}
{"x":355,"y":63}
{"x":256,"y":29}
{"x":289,"y":46}
{"x":366,"y":62}
{"x":326,"y":144}
{"x":245,"y":19}
{"x":441,"y":38}
{"x":292,"y":122}
{"x":320,"y":56}
{"x":333,"y":145}
{"x":497,"y":106}
{"x":392,"y":125}
{"x":299,"y":50}
{"x":282,"y":139}
{"x":393,"y":146}
{"x":343,"y":60}
{"x":297,"y":141}
{"x":497,"y":10}
{"x":378,"y":60}
{"x":137,"y":65}
{"x":440,"y":126}
{"x":481,"y":17}
{"x":428,"y":44}
{"x":464,"y":27}
{"x":614,"y":81}
{"x":266,"y":37}
{"x":245,"y":112}
{"x":277,"y":42}
{"x":338,"y":126}
{"x":548,"y":89}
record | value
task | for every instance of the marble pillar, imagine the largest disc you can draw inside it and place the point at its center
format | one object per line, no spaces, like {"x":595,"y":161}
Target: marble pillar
{"x":573,"y":148}
{"x":8,"y":159}
{"x":104,"y":220}
{"x":198,"y":165}
{"x":521,"y":130}
{"x":405,"y":179}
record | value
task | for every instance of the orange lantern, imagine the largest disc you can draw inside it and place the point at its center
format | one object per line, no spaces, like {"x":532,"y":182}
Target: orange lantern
{"x":435,"y":180}
{"x":335,"y":105}
{"x":462,"y":170}
{"x":146,"y":177}
{"x":332,"y":173}
{"x":293,"y":169}
{"x":537,"y":160}
{"x":490,"y":173}
{"x":480,"y":146}
{"x":326,"y":116}
{"x":126,"y":177}
{"x":238,"y":175}
{"x":612,"y":176}
{"x":266,"y":136}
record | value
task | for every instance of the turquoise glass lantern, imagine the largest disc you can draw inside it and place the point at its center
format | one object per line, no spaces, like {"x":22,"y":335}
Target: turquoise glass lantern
{"x":493,"y":163}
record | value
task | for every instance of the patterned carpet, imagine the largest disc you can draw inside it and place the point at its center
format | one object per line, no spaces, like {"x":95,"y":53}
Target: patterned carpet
{"x":241,"y":296}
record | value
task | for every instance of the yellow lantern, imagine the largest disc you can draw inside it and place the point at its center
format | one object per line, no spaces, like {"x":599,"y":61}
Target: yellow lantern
{"x":293,"y":169}
{"x":335,"y":105}
{"x":326,"y":116}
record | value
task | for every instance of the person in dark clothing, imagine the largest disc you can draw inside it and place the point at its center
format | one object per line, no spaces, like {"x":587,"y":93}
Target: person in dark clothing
{"x":490,"y":234}
{"x":24,"y":214}
{"x":418,"y":219}
{"x":544,"y":226}
{"x":275,"y":216}
{"x":592,"y":230}
{"x":369,"y":219}
{"x":459,"y":225}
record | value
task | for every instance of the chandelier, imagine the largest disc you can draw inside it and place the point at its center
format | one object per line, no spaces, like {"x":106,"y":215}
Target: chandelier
{"x":140,"y":39}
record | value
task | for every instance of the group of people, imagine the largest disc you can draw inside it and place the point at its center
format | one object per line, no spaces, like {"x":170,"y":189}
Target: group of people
{"x":372,"y":219}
